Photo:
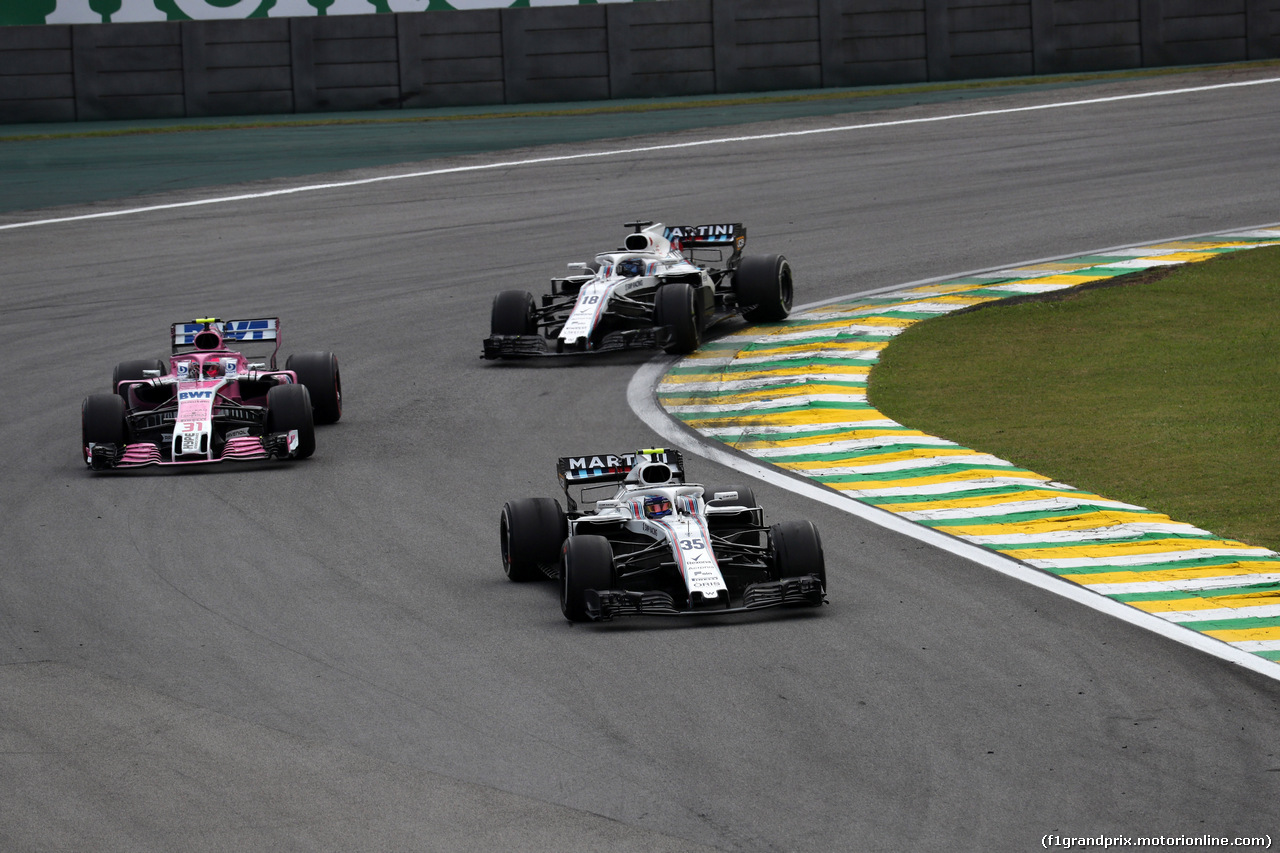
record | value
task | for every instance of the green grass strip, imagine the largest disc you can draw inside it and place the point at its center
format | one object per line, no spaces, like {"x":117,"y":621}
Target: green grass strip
{"x":820,"y":436}
{"x":677,"y":397}
{"x":919,"y":474}
{"x":1081,"y":511}
{"x":1259,"y":589}
{"x":1244,"y":624}
{"x":1202,"y":541}
{"x":852,"y":456}
{"x":985,"y":491}
{"x":718,"y":370}
{"x":1224,"y":561}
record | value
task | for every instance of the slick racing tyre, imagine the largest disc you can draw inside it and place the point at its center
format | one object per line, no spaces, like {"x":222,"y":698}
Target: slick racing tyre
{"x":674,"y":306}
{"x":128,"y":371}
{"x":318,"y":371}
{"x":289,"y":407}
{"x":764,"y":288}
{"x":102,"y":420}
{"x":730,"y":527}
{"x":531,"y":531}
{"x":745,"y":497}
{"x":513,"y":313}
{"x":797,"y":550}
{"x":586,"y":563}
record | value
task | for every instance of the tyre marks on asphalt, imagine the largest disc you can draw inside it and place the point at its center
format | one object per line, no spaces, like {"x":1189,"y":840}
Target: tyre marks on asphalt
{"x":794,"y":395}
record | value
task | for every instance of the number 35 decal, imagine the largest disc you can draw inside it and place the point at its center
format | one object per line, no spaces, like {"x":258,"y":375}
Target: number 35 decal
{"x":692,"y":545}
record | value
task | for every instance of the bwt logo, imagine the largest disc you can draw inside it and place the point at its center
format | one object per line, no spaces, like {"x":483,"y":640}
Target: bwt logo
{"x":195,"y":395}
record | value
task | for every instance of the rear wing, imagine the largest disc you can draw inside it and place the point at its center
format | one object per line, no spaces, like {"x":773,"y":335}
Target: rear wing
{"x":267,"y":330}
{"x":689,"y":238}
{"x":614,"y":467}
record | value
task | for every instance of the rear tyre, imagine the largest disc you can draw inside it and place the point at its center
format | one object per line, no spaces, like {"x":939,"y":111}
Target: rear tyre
{"x":128,"y":371}
{"x":797,"y":550}
{"x":532,"y":531}
{"x":764,"y":285}
{"x":674,"y":306}
{"x":318,"y":372}
{"x":586,"y":563}
{"x":102,"y":420}
{"x":289,"y":407}
{"x":513,"y":313}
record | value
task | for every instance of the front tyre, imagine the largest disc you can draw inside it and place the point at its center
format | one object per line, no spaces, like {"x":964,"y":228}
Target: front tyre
{"x":746,"y":497}
{"x":531,"y":531}
{"x":318,"y":371}
{"x":737,"y":528}
{"x":585,"y":563}
{"x":764,"y":288}
{"x":797,"y":550}
{"x":289,"y":408}
{"x":102,"y":421}
{"x":675,"y":306}
{"x":514,"y":312}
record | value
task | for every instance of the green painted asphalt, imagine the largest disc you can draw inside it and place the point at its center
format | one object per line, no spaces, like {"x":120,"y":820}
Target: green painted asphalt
{"x":48,"y":165}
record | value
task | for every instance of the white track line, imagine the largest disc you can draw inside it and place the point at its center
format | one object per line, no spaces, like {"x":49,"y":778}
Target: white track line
{"x":534,"y":161}
{"x":641,"y":397}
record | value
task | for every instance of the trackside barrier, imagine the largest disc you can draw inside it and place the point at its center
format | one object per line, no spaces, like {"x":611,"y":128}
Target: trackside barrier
{"x":154,"y":60}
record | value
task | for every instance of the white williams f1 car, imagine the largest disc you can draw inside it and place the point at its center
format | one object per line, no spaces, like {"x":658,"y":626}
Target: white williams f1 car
{"x":663,"y":288}
{"x":658,"y":545}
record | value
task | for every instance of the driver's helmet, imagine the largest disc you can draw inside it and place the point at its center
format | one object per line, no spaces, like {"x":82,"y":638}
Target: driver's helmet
{"x":212,"y":369}
{"x":631,"y":267}
{"x":656,"y":506}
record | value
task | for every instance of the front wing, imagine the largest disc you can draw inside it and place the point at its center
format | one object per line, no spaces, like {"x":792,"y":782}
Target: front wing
{"x":532,"y":346}
{"x":106,"y":457}
{"x":802,"y":591}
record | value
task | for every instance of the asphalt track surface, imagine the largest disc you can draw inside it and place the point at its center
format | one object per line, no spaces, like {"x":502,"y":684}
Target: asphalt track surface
{"x":326,"y":655}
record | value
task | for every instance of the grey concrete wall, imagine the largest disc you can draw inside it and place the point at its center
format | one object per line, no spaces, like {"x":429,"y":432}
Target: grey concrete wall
{"x":762,"y":45}
{"x":344,"y":63}
{"x":238,"y":67}
{"x":598,"y":52}
{"x":451,"y":60}
{"x":1086,"y":35}
{"x":873,"y":42}
{"x":37,"y":82}
{"x":556,"y":53}
{"x":661,"y":49}
{"x":132,"y":70}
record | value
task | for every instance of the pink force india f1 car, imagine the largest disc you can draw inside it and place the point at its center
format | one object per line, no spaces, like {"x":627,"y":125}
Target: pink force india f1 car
{"x":208,"y":403}
{"x":658,"y":545}
{"x":664,"y":288}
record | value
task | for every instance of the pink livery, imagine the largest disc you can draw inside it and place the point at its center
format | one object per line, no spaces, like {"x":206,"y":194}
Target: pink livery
{"x":209,"y":403}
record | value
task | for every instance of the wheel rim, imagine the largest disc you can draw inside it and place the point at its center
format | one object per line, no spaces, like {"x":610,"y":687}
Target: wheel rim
{"x":504,"y":536}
